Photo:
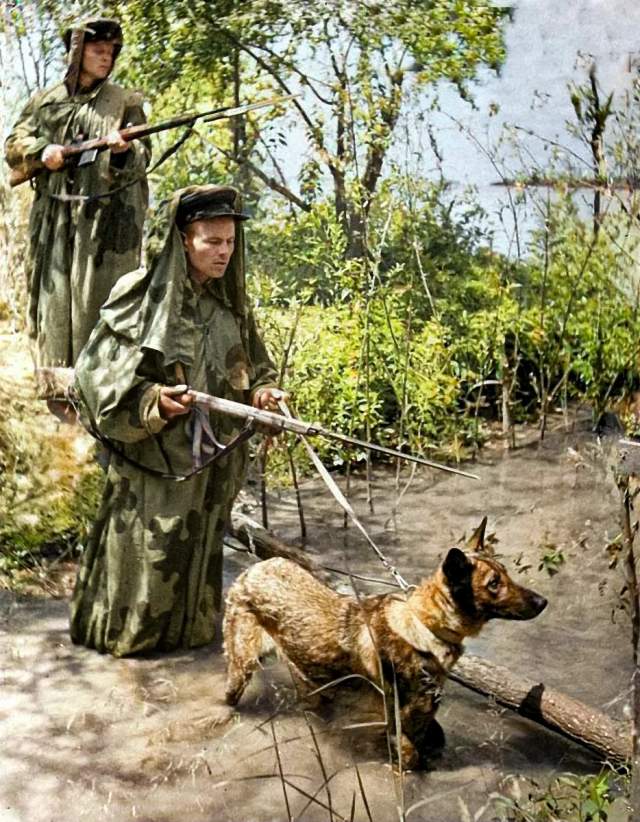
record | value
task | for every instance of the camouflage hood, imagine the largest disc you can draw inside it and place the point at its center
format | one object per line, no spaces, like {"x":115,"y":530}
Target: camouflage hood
{"x":153,"y":306}
{"x":84,"y":31}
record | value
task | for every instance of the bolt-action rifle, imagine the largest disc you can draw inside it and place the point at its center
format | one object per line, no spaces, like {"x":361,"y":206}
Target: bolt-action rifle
{"x":278,"y":422}
{"x":87,"y":150}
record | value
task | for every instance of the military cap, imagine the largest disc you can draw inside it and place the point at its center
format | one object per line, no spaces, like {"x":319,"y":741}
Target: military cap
{"x":205,"y":205}
{"x":94,"y":30}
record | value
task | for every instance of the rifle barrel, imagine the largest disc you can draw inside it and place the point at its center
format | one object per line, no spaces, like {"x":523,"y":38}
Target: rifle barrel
{"x":27,"y":170}
{"x":392,"y":452}
{"x":296,"y":426}
{"x":131,"y":133}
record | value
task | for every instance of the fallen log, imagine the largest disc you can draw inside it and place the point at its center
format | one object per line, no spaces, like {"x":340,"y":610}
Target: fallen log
{"x":608,"y":738}
{"x":263,"y":545}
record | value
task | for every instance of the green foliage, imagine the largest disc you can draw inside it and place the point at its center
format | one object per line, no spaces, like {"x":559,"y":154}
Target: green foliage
{"x":51,"y":525}
{"x":568,"y":797}
{"x":551,"y":559}
{"x":357,"y":66}
{"x":581,"y":308}
{"x":48,"y":490}
{"x":328,"y":366}
{"x":302,"y":257}
{"x":365,"y":352}
{"x":419,"y":342}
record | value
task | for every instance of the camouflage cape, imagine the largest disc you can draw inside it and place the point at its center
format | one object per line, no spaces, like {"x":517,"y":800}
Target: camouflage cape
{"x":78,"y":249}
{"x":150,"y":576}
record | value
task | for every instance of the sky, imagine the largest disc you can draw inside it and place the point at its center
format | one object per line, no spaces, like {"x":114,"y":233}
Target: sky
{"x":549,"y":43}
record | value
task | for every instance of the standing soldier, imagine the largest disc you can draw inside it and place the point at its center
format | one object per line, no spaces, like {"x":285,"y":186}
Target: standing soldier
{"x":150,"y":577}
{"x":86,"y":219}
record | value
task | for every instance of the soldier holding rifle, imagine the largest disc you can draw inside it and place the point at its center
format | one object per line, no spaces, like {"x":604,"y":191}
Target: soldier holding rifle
{"x":169,"y":377}
{"x":87,"y":218}
{"x":150,"y":577}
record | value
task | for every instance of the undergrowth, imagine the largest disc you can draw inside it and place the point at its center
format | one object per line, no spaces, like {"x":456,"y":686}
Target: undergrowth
{"x":566,"y":798}
{"x":49,"y":484}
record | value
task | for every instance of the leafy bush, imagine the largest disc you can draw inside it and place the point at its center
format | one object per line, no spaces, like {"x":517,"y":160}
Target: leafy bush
{"x":351,"y":369}
{"x":568,"y":797}
{"x":48,"y":487}
{"x":418,"y":342}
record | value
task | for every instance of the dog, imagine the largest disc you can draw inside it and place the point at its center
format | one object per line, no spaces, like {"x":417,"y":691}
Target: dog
{"x":407,"y":643}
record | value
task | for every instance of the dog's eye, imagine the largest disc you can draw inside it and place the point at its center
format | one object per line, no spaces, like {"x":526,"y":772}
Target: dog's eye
{"x":494,"y":584}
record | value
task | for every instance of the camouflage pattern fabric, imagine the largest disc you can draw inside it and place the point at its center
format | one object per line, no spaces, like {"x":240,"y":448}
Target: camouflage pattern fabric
{"x":79,"y":249}
{"x":150,"y":577}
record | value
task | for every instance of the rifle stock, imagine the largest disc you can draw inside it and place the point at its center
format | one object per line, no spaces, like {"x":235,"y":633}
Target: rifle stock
{"x":28,"y":169}
{"x":25,"y":171}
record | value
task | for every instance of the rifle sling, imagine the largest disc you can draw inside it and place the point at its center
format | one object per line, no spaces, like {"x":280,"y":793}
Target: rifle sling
{"x":247,"y":431}
{"x":89,"y":198}
{"x":347,"y":507}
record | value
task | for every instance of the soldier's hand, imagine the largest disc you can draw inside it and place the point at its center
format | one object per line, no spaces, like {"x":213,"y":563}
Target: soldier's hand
{"x":116,"y":143}
{"x":52,"y":157}
{"x":267,"y":398}
{"x":174,"y":401}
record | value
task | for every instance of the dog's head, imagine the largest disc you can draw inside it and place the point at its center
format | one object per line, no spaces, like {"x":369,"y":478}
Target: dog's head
{"x":481,"y":587}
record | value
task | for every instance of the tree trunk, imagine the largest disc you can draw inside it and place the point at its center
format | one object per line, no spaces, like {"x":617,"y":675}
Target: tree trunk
{"x":608,"y":738}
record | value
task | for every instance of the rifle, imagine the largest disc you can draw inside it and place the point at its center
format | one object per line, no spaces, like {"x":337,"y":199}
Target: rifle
{"x":277,"y":422}
{"x":88,"y":149}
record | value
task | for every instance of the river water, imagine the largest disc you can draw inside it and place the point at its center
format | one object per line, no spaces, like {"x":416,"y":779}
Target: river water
{"x":150,"y":738}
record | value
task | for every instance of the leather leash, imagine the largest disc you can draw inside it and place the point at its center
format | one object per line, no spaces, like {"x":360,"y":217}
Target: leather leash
{"x":344,"y":503}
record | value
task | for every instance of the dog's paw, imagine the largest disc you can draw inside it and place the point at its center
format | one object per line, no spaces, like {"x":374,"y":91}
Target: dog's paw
{"x":406,"y":755}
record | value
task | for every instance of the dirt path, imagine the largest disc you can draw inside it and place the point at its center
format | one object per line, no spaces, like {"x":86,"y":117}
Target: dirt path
{"x":90,"y":737}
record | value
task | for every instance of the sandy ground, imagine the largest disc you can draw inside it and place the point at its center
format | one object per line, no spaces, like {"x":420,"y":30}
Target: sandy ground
{"x":88,"y":737}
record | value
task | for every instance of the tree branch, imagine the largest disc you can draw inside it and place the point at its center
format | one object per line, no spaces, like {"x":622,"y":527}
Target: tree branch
{"x":377,"y":152}
{"x":308,"y":80}
{"x":313,"y":131}
{"x":271,"y":182}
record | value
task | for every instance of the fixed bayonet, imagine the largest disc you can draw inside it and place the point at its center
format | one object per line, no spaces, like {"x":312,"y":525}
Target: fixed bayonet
{"x":278,"y":422}
{"x":87,"y":150}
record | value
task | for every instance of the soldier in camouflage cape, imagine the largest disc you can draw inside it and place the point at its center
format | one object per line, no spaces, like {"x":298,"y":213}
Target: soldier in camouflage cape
{"x":151,"y":574}
{"x":80,"y":247}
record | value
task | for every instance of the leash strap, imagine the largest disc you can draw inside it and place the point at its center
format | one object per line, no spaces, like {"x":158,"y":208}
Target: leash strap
{"x":344,"y":503}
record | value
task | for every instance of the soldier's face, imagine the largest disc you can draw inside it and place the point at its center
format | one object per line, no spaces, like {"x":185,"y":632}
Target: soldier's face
{"x":209,"y":245}
{"x":97,"y":59}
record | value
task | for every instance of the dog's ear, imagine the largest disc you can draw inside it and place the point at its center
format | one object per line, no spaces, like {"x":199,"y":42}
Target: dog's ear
{"x":458,"y":571}
{"x":456,"y":567}
{"x":475,"y":543}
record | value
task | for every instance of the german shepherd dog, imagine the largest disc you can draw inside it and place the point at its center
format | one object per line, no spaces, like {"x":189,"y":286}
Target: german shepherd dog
{"x":406,"y":642}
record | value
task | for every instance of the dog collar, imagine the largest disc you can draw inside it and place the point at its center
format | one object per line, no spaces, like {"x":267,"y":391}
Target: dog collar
{"x":406,"y":624}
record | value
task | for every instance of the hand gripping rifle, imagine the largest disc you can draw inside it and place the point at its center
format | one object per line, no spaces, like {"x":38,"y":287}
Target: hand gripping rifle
{"x":253,"y":416}
{"x":86,"y":150}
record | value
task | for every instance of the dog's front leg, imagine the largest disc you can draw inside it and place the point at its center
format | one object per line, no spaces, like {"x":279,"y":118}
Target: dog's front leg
{"x":406,"y":753}
{"x":244,"y":642}
{"x":422,"y":731}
